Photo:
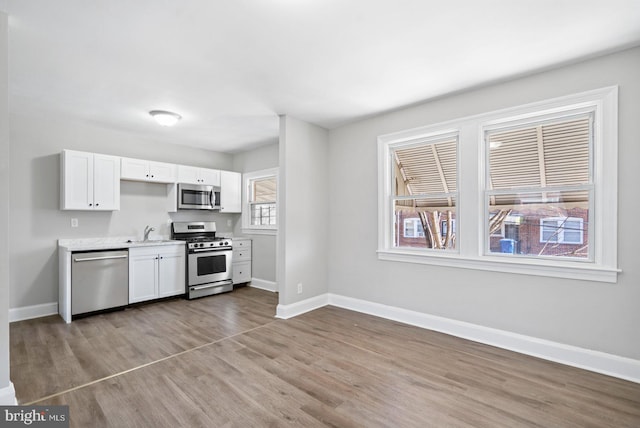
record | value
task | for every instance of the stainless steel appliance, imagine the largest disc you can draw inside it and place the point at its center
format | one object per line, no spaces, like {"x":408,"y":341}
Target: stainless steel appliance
{"x":198,"y":197}
{"x":99,"y":280}
{"x":208,"y":258}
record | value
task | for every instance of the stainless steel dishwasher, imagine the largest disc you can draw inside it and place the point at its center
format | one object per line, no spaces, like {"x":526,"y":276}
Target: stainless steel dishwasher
{"x":99,"y":280}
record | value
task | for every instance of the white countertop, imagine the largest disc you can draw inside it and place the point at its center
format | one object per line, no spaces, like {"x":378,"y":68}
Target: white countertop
{"x":89,"y":244}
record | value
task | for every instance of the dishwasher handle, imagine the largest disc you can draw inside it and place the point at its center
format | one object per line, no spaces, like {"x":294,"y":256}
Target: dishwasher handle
{"x":90,"y":259}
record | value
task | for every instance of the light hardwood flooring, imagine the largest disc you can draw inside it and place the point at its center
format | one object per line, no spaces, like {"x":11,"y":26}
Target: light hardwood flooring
{"x":226,"y":361}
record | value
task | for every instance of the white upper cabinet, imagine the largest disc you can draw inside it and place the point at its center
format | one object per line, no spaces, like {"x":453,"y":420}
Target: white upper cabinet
{"x":230,"y":192}
{"x":195,"y":175}
{"x":89,"y":181}
{"x":144,"y":170}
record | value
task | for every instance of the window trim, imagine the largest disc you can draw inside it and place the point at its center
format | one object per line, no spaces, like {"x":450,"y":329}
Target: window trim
{"x":471,"y":228}
{"x":247,"y":227}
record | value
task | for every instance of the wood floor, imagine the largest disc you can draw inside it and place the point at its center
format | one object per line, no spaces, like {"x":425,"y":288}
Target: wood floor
{"x":225,"y":361}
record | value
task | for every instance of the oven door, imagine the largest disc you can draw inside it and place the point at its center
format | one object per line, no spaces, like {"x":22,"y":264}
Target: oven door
{"x":207,"y":266}
{"x":195,"y":197}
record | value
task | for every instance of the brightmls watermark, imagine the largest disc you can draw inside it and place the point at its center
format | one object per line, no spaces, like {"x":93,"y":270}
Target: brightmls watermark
{"x":34,"y":416}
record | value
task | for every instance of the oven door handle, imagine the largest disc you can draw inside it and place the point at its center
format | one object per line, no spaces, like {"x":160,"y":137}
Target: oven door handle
{"x":204,"y":287}
{"x":210,"y":250}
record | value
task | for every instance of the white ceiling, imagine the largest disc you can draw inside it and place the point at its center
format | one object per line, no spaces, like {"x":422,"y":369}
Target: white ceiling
{"x":229,"y":67}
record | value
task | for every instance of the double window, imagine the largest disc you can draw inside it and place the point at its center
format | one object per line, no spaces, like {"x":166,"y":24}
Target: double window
{"x":536,"y":194}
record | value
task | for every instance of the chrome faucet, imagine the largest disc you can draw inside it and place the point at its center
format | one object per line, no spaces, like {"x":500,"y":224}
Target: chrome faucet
{"x":147,"y":231}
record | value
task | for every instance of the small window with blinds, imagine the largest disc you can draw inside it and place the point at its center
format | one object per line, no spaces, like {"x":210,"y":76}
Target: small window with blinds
{"x":263,"y":201}
{"x":259,"y":213}
{"x":540,"y":188}
{"x":425,"y":193}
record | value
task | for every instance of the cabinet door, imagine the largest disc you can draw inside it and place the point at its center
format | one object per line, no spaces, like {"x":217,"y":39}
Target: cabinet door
{"x":143,"y":276}
{"x":209,"y":176}
{"x":241,"y":272}
{"x":171,"y":279}
{"x":76,"y":186}
{"x":230,"y":192}
{"x":134,"y":169}
{"x":106,"y":182}
{"x":162,"y":172}
{"x":188,"y":174}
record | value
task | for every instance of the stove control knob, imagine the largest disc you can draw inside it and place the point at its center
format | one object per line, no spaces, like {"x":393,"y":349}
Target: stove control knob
{"x":201,"y":245}
{"x":226,"y":243}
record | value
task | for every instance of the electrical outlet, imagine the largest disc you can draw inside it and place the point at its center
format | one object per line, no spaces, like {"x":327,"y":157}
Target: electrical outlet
{"x":300,"y":288}
{"x":74,"y":222}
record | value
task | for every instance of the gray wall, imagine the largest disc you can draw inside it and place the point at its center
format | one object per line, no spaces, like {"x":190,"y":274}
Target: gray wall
{"x":598,"y":316}
{"x":4,"y":204}
{"x":263,"y":263}
{"x":36,"y":141}
{"x":304,"y":210}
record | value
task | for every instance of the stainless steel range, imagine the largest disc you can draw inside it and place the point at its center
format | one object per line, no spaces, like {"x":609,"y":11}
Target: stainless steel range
{"x":208,"y":258}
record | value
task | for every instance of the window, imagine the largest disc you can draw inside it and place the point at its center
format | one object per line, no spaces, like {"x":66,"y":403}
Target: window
{"x":260,"y":202}
{"x":563,"y":230}
{"x":425,"y":191}
{"x":537,"y":194}
{"x":413,"y":228}
{"x":540,"y":172}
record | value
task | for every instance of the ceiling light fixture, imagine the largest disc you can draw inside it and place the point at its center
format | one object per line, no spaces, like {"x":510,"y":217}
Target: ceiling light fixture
{"x":165,"y":118}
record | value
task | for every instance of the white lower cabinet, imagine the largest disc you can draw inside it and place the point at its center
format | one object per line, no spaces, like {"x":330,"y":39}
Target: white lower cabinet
{"x":156,"y":272}
{"x":241,"y":265}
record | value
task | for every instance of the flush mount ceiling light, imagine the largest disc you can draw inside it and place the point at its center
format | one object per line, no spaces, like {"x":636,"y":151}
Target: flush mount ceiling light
{"x":165,"y":118}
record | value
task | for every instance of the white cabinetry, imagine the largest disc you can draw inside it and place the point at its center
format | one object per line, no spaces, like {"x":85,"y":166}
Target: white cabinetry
{"x":89,"y":181}
{"x":194,"y":175}
{"x":144,"y":170}
{"x":156,"y":272}
{"x":230,"y":192}
{"x":241,"y":266}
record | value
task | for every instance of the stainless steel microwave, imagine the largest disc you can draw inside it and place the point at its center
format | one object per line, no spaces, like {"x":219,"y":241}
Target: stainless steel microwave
{"x":198,"y":197}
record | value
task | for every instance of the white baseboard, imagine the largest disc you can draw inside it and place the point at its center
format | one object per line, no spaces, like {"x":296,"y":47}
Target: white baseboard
{"x":8,"y":396}
{"x":298,"y":308}
{"x":596,"y":361}
{"x":263,"y":284}
{"x":35,"y":311}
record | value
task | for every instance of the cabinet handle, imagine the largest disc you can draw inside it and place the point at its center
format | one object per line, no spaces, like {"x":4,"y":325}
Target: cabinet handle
{"x":97,"y":204}
{"x":152,"y":176}
{"x":90,"y":205}
{"x":147,"y":175}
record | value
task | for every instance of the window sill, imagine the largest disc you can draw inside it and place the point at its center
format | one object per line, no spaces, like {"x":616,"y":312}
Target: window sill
{"x":561,"y":269}
{"x":248,"y":231}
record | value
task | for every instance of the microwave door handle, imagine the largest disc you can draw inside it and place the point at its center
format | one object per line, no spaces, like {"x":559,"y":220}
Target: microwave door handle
{"x":212,"y":197}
